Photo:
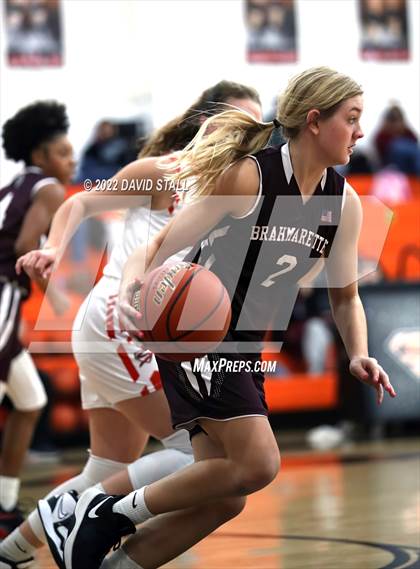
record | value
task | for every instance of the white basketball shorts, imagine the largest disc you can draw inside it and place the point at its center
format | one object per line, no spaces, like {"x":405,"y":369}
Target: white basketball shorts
{"x":112,"y":367}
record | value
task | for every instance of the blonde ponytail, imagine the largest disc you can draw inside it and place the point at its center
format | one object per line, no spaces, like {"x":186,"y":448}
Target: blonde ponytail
{"x":222,"y":140}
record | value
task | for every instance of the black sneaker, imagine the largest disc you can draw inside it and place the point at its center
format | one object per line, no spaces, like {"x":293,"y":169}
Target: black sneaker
{"x":9,"y":564}
{"x":97,"y":528}
{"x":57,"y":517}
{"x":9,"y":520}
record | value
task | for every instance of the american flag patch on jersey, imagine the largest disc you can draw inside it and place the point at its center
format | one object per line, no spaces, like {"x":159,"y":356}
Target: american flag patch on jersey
{"x":326,"y":216}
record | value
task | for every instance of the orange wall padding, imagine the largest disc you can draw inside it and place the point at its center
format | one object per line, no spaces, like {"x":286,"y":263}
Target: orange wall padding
{"x":403,"y":236}
{"x":302,"y":392}
{"x":362,"y":183}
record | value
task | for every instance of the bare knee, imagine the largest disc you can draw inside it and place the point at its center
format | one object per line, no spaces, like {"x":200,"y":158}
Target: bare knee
{"x":254,"y":477}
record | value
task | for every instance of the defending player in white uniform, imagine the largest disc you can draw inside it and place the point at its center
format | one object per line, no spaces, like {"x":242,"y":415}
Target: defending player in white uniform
{"x":120,"y":386}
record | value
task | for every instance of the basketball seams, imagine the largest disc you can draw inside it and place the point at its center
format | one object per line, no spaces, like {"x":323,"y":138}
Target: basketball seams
{"x":149,"y":288}
{"x":174,"y":303}
{"x":147,"y":331}
{"x":219,"y":302}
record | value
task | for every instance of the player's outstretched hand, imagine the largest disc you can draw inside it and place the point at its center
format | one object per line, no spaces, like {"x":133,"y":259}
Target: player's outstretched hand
{"x":370,"y":372}
{"x":130,"y":318}
{"x":37,"y":263}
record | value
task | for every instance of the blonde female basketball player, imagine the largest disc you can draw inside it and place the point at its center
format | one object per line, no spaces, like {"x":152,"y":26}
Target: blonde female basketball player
{"x":234,"y":448}
{"x":120,"y":385}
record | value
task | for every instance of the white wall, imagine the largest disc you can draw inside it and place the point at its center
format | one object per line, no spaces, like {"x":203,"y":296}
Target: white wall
{"x":119,"y":53}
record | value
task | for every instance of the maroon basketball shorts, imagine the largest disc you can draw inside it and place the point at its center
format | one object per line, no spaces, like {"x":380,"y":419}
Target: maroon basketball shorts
{"x":217,"y":386}
{"x":10,"y":346}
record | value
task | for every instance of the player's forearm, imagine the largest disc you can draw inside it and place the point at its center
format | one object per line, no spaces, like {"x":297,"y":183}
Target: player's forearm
{"x":47,"y":287}
{"x":350,"y":319}
{"x":66,"y":221}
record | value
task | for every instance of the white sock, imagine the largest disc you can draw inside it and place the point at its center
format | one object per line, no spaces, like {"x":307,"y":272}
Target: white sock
{"x":15,"y":547}
{"x":100,"y":487}
{"x":119,"y":560}
{"x":134,"y":507}
{"x":9,"y":492}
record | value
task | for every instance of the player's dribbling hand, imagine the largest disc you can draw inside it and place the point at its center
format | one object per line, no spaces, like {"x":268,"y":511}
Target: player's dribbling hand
{"x":37,"y":263}
{"x":368,"y":371}
{"x":130,"y":318}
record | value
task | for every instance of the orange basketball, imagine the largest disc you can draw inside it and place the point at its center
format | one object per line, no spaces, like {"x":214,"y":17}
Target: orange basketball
{"x":185,"y":311}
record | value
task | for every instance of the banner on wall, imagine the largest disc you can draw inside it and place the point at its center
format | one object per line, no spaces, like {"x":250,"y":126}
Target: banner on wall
{"x":271,"y":31}
{"x":384,"y":30}
{"x":33,"y":31}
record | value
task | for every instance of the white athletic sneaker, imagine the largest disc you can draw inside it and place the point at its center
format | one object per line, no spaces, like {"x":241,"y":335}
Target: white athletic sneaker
{"x":57,"y":517}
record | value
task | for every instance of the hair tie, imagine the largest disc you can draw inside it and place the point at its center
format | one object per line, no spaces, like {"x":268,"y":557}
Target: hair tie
{"x":276,"y":123}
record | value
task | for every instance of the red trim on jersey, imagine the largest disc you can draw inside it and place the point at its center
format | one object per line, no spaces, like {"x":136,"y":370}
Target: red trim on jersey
{"x":156,"y":381}
{"x":127,"y":362}
{"x":109,"y":317}
{"x":144,"y":391}
{"x":109,"y":323}
{"x":110,"y":331}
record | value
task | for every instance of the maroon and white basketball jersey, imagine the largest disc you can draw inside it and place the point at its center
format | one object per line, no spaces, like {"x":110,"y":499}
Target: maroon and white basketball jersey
{"x":261,"y":257}
{"x":15,"y":201}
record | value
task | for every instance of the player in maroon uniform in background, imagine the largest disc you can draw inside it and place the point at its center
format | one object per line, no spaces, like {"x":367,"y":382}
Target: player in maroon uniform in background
{"x":37,"y":135}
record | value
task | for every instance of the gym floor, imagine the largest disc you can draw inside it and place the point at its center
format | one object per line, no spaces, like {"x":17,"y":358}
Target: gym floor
{"x":357,"y":507}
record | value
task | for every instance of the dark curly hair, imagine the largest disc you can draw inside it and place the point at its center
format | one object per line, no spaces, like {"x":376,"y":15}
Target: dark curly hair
{"x":33,"y":125}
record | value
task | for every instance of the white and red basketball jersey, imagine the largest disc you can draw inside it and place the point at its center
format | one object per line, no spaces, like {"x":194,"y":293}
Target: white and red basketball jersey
{"x":140,"y":225}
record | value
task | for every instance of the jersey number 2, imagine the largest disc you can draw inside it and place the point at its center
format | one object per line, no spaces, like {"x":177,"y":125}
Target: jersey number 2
{"x":289,"y":260}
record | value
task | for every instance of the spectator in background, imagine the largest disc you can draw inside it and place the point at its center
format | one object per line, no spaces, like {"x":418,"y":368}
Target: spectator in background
{"x":105,"y":155}
{"x":396,"y":144}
